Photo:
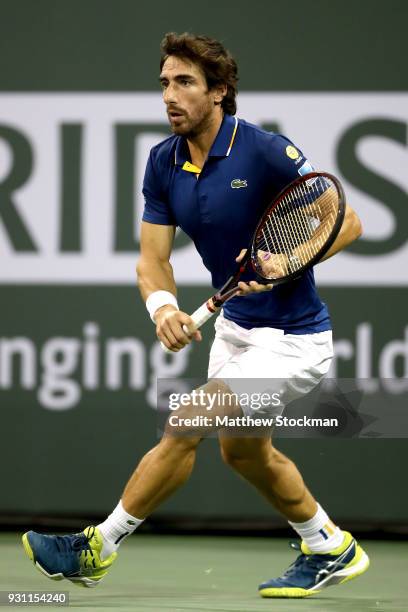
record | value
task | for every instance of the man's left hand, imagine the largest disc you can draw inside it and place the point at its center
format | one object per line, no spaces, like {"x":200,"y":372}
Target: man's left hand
{"x":252,"y":286}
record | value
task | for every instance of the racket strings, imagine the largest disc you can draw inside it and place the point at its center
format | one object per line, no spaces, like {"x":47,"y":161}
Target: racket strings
{"x":291,"y":229}
{"x":296,"y":229}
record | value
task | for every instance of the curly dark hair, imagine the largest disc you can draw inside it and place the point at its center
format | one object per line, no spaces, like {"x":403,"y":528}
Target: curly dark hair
{"x":216,"y":62}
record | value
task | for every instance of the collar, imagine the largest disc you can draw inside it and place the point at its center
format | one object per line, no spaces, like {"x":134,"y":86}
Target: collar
{"x":224,"y":140}
{"x":221,"y":146}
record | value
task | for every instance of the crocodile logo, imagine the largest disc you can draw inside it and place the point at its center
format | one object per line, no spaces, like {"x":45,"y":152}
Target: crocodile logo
{"x":238,"y":183}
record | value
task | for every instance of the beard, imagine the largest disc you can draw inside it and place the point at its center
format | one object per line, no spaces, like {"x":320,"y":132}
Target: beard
{"x":191,"y":127}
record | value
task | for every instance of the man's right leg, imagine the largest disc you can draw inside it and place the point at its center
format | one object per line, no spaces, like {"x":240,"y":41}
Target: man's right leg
{"x":164,"y":469}
{"x":161,"y":471}
{"x":85,"y":558}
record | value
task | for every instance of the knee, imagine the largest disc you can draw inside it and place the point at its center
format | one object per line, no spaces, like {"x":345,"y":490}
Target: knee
{"x":238,"y":453}
{"x":229,"y":454}
{"x":233,"y":460}
{"x":182,"y":444}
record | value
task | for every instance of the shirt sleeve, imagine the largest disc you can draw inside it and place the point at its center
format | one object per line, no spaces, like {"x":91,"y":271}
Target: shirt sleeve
{"x":287,"y":162}
{"x":157,"y":209}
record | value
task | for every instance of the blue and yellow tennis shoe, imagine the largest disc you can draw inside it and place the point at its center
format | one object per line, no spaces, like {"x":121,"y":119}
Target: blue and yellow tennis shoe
{"x":310,"y":573}
{"x":76,"y":557}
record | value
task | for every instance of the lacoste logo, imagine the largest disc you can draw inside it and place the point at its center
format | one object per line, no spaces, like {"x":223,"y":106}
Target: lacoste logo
{"x":238,"y":183}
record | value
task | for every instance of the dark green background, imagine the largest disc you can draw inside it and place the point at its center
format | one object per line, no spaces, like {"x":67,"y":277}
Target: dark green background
{"x":104,"y":45}
{"x":77,"y":461}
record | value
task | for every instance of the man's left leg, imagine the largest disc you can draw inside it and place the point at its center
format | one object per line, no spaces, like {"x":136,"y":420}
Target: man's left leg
{"x":328,"y":555}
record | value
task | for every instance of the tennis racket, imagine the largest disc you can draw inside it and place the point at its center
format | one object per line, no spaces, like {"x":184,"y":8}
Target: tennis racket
{"x":293,"y":234}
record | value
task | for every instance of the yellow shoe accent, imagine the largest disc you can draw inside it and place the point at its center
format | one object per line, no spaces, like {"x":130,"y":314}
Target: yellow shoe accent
{"x":27,"y":547}
{"x":93,"y":568}
{"x":292,"y":593}
{"x":348,"y":538}
{"x":361,"y":560}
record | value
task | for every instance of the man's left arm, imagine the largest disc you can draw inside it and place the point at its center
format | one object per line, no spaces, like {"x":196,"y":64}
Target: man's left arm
{"x":350,"y":231}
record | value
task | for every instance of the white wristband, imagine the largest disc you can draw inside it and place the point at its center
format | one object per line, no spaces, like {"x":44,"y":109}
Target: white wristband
{"x":157,"y":299}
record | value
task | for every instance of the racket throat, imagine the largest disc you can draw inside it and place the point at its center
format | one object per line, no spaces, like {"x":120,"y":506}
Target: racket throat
{"x":213,"y":305}
{"x":218,"y":300}
{"x":230,"y":288}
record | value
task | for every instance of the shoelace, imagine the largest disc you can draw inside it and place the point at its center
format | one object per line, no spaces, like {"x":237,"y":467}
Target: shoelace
{"x":78,"y":542}
{"x":302,"y":562}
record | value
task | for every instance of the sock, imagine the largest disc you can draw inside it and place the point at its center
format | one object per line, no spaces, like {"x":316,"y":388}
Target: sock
{"x":116,"y":528}
{"x":319,"y":533}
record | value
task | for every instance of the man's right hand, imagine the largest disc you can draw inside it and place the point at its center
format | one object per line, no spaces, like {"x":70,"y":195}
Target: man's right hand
{"x":169,"y":328}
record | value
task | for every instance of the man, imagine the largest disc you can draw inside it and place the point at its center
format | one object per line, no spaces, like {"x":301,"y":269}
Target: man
{"x":216,"y":173}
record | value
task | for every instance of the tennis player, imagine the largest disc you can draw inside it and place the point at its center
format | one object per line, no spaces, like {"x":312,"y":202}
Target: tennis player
{"x":212,"y":178}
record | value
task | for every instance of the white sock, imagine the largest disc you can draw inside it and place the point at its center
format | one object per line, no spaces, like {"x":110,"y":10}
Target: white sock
{"x":319,"y":533}
{"x":118,"y":526}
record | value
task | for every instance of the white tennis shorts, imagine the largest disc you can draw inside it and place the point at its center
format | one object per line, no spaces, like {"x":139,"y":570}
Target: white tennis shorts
{"x":264,"y":360}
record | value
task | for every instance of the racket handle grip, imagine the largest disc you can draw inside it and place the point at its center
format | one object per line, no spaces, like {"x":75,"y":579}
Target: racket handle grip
{"x":199,"y":316}
{"x":203,"y":313}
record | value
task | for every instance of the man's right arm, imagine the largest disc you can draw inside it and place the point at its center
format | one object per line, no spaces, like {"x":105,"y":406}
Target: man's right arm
{"x":155,"y":273}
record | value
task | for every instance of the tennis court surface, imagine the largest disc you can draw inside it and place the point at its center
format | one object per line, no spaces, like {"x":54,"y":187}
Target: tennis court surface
{"x":218,"y":574}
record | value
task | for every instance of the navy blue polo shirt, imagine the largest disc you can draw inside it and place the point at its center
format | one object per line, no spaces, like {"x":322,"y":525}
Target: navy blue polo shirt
{"x":219,"y":207}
